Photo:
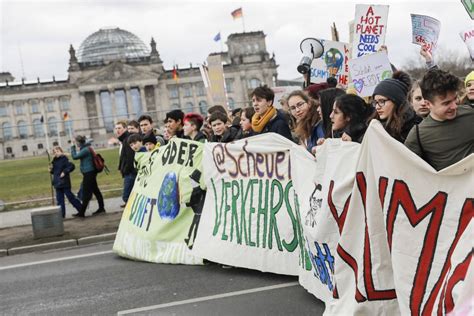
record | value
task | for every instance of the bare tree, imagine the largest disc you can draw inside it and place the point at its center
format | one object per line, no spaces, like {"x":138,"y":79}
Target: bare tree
{"x":456,"y":62}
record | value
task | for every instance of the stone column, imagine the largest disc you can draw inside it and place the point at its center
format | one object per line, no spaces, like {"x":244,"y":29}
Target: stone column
{"x":13,"y":121}
{"x":114,"y":105}
{"x":87,"y":123}
{"x":143,"y":98}
{"x":98,"y":105}
{"x":128,"y":97}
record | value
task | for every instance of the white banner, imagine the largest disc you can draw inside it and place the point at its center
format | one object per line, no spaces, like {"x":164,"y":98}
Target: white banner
{"x":404,"y":241}
{"x":249,"y":218}
{"x":370,"y":29}
{"x":324,"y":186}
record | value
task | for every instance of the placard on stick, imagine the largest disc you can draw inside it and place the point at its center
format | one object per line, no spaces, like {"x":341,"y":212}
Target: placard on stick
{"x":370,"y":29}
{"x":425,"y":31}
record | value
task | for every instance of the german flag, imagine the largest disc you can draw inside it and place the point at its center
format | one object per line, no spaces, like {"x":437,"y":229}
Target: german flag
{"x":66,"y":116}
{"x":237,"y":13}
{"x":175,"y":74}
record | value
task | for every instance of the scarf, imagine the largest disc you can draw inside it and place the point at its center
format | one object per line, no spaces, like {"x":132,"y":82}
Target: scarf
{"x":259,"y":122}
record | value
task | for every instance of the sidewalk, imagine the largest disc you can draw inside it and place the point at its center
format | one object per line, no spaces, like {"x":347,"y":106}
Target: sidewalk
{"x":16,"y":229}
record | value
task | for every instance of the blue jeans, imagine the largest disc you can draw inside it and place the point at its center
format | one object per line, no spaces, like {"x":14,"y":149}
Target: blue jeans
{"x":128,"y":181}
{"x":70,"y":196}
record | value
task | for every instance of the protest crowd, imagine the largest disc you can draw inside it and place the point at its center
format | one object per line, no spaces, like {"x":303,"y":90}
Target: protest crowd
{"x":432,"y":116}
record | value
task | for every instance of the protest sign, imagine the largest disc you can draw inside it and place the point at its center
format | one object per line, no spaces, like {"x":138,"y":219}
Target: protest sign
{"x":469,"y":6}
{"x":157,"y":225}
{"x":468,"y":37}
{"x":280,"y":92}
{"x":216,"y":80}
{"x":250,"y":217}
{"x":367,"y":71}
{"x":333,"y":63}
{"x":404,"y":247}
{"x":323,"y":186}
{"x":425,"y":31}
{"x":370,"y":29}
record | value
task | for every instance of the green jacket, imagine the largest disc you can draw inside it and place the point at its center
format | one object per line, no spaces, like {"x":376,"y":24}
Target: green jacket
{"x":84,"y":154}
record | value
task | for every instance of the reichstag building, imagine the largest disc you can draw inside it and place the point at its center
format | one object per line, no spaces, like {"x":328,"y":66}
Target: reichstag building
{"x":113,"y":76}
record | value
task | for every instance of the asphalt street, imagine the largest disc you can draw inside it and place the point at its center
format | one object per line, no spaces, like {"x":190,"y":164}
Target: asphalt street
{"x":93,"y":280}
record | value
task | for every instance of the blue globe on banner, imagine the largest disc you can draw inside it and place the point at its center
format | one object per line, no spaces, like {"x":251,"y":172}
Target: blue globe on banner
{"x":168,"y":197}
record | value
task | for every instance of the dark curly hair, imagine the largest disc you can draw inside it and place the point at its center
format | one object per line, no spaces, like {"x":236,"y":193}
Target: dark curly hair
{"x":437,"y":82}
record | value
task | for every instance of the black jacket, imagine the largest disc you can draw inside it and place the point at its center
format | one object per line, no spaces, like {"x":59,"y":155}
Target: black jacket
{"x":278,"y":125}
{"x":62,"y":164}
{"x":229,"y":136}
{"x":127,"y":156}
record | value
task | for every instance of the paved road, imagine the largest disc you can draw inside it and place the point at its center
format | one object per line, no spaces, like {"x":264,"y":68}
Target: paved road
{"x":93,"y":280}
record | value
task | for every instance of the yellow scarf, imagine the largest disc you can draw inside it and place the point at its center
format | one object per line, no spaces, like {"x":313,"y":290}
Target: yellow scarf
{"x":259,"y":122}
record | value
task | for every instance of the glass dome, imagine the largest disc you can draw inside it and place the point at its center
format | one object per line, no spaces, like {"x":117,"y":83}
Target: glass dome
{"x":111,"y":44}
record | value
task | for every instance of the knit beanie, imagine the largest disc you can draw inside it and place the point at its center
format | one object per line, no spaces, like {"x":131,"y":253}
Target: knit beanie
{"x":469,"y":77}
{"x":394,"y":88}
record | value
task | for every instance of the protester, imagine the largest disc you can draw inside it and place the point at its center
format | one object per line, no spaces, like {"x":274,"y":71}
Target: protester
{"x":146,"y":127}
{"x":469,"y":84}
{"x":246,"y":122}
{"x":349,"y":118}
{"x":326,"y":104}
{"x":284,"y":103}
{"x":418,"y":103}
{"x":174,"y":119}
{"x":126,"y":161}
{"x":446,"y":136}
{"x":391,"y":105}
{"x":150,"y":142}
{"x":266,"y":118}
{"x":221,"y":132}
{"x":309,"y":127}
{"x":60,"y":168}
{"x":133,"y":127}
{"x":136,"y":143}
{"x":89,"y":173}
{"x":314,"y":89}
{"x":192,"y":126}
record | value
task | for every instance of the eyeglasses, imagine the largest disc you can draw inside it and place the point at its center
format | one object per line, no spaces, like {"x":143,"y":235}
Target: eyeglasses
{"x":298,"y":106}
{"x":380,"y":103}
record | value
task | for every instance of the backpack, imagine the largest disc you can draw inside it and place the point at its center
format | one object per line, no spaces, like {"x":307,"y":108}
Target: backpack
{"x":98,"y":161}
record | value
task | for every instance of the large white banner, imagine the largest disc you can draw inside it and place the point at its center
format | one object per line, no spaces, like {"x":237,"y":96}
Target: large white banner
{"x":249,"y":218}
{"x":407,"y":238}
{"x":324,"y":186}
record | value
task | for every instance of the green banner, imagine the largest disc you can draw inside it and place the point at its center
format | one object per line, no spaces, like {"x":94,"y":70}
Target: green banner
{"x":161,"y":218}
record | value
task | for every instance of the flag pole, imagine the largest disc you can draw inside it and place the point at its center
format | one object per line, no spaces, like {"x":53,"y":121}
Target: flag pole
{"x":45,"y":130}
{"x":243,"y":21}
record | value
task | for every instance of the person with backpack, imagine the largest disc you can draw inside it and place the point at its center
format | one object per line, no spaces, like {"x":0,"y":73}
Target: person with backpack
{"x":60,"y":168}
{"x":86,"y":154}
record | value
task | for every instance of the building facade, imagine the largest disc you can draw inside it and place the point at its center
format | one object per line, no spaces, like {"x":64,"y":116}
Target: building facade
{"x":116,"y":76}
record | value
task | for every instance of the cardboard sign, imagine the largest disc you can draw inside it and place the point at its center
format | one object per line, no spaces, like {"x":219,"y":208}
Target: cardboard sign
{"x":282,"y":91}
{"x":468,"y":37}
{"x":370,"y":29}
{"x":333,"y":63}
{"x":366,"y":72}
{"x":425,"y":31}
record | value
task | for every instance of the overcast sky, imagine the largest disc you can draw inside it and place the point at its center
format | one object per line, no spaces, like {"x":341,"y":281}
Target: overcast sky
{"x":35,"y":35}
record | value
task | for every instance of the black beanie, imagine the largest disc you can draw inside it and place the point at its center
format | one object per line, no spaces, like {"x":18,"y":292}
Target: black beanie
{"x":393,"y":89}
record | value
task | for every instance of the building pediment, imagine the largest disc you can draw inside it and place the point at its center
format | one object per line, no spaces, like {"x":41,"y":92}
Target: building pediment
{"x":116,"y":72}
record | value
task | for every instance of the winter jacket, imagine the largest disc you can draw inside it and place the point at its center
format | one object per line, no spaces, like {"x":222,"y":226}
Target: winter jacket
{"x":278,"y":125}
{"x":127,"y":156}
{"x":59,"y":165}
{"x":84,"y":154}
{"x":229,"y":136}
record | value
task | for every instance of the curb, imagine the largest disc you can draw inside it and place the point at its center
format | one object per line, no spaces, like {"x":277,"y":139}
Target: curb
{"x":58,"y":244}
{"x":96,"y":239}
